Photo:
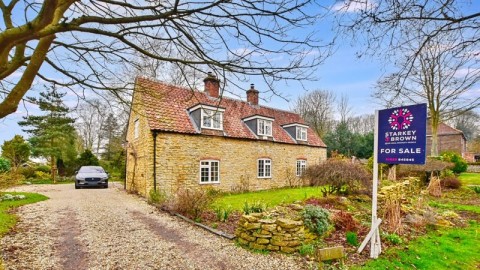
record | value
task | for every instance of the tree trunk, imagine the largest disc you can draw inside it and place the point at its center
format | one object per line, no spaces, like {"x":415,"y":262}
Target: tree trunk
{"x":434,"y":147}
{"x":53,"y":169}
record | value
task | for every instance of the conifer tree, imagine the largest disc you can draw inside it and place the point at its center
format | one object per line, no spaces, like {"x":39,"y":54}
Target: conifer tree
{"x":51,"y":133}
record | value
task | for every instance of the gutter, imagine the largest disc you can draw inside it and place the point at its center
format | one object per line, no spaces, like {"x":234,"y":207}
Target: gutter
{"x":154,"y":132}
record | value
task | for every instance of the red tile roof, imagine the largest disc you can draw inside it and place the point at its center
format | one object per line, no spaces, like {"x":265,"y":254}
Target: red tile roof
{"x":443,"y":129}
{"x":166,"y":110}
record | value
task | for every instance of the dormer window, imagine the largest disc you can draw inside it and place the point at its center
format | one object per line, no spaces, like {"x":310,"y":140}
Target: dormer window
{"x":206,"y":116}
{"x":212,"y":119}
{"x":301,"y":133}
{"x":260,"y":125}
{"x":297,"y":131}
{"x":264,"y":127}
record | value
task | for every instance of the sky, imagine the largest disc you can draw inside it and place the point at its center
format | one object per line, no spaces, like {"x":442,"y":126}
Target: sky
{"x":342,"y":73}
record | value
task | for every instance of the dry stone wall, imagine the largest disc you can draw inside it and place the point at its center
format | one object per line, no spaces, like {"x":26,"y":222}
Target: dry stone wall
{"x":264,"y":231}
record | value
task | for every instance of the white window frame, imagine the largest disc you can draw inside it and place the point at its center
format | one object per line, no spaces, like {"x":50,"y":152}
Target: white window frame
{"x":301,"y":167}
{"x":136,"y":128}
{"x":207,"y":164}
{"x":212,"y":114}
{"x":301,"y":133}
{"x":266,"y":163}
{"x":264,"y":127}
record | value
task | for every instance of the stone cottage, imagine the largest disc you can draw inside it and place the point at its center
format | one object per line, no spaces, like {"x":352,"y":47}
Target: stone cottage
{"x":179,"y":137}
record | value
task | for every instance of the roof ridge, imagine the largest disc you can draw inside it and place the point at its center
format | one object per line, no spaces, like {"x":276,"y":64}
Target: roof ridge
{"x":154,"y":80}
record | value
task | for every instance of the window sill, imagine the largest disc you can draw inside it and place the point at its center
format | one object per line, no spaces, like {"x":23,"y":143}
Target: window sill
{"x":209,"y":183}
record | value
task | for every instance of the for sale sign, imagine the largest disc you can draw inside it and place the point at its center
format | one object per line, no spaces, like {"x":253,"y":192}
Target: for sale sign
{"x":402,"y":134}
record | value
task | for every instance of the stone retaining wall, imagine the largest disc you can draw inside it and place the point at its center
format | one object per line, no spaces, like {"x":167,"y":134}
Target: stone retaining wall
{"x":473,"y":168}
{"x":261,"y":232}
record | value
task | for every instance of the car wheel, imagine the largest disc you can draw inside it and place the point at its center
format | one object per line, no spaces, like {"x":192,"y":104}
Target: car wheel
{"x":77,"y":187}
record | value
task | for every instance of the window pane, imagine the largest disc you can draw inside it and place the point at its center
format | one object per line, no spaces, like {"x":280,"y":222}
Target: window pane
{"x":260,"y":168}
{"x":267,"y":169}
{"x":204,"y":174}
{"x":214,"y":171}
{"x":217,"y":120}
{"x":268,"y":129}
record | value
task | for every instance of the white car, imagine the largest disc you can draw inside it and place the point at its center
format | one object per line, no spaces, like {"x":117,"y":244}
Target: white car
{"x":91,"y":176}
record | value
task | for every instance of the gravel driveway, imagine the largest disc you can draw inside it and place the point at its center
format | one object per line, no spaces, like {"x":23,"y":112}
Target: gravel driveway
{"x":110,"y":229}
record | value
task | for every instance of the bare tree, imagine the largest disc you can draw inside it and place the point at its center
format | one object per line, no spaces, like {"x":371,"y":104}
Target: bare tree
{"x":344,"y":108}
{"x":317,"y":108}
{"x":383,"y":26}
{"x":90,"y":117}
{"x":468,"y":123}
{"x":362,"y":124}
{"x":441,"y":77}
{"x":82,"y":42}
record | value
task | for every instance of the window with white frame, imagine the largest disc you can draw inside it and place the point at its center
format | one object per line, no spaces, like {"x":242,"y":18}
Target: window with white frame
{"x":209,"y":171}
{"x":136,"y":128}
{"x":264,"y":168}
{"x":264,"y":127}
{"x":301,"y":133}
{"x":212,"y":119}
{"x":301,"y":167}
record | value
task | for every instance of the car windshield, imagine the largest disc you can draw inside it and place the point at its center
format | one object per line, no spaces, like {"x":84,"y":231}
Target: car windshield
{"x":91,"y":170}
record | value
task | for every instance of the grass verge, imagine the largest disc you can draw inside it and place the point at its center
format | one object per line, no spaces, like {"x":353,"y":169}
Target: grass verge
{"x":470,"y":178}
{"x":454,"y":206}
{"x":268,"y":197}
{"x":8,"y":220}
{"x":455,"y":248}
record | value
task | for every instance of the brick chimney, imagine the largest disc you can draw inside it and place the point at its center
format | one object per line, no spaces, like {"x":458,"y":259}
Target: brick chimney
{"x":252,"y":95}
{"x":212,"y":85}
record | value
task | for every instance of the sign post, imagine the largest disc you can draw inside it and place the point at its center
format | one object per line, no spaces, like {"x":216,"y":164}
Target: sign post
{"x":399,"y":138}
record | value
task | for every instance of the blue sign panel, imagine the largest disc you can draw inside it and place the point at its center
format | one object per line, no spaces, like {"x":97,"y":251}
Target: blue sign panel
{"x":402,"y":135}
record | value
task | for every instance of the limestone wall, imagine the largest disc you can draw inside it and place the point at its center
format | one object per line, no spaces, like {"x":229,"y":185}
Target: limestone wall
{"x":179,"y":156}
{"x":260,"y":232}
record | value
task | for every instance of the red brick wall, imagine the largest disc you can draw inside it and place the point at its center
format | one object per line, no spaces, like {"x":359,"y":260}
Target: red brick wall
{"x":454,"y":142}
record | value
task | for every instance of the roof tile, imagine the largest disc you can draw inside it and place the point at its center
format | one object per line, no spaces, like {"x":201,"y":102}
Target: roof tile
{"x":166,"y":108}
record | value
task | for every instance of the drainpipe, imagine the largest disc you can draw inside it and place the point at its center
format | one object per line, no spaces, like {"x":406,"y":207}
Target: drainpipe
{"x":155,"y":160}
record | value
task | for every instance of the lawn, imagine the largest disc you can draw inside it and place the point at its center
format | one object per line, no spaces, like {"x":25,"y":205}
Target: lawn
{"x":8,"y":220}
{"x":268,"y":197}
{"x":470,"y":178}
{"x":455,"y":248}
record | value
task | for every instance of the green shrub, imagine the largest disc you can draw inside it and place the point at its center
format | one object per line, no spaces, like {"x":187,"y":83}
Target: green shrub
{"x":352,"y":238}
{"x":393,"y":238}
{"x":222,"y":214}
{"x":4,"y":165}
{"x":256,"y":207}
{"x":306,"y":249}
{"x":27,"y":172}
{"x":476,"y":189}
{"x":41,"y":175}
{"x":316,"y":219}
{"x":10,"y":179}
{"x":43,"y":168}
{"x":87,"y":158}
{"x":460,"y":165}
{"x":157,"y":196}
